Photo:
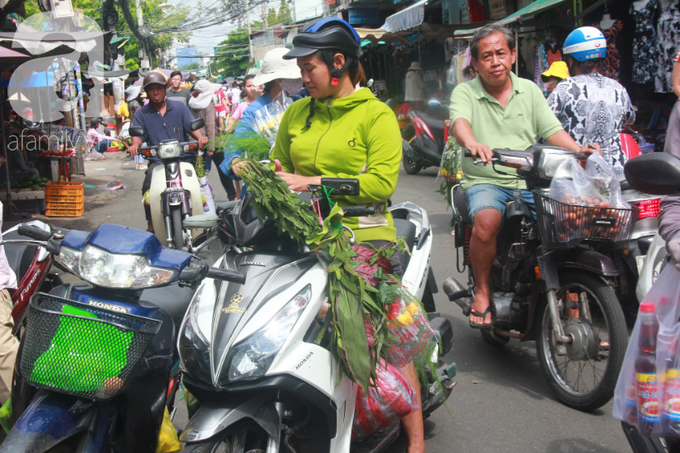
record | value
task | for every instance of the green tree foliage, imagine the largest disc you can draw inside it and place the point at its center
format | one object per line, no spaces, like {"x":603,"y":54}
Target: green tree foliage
{"x":193,"y":66}
{"x":272,"y":18}
{"x":284,"y":16}
{"x":232,"y":59}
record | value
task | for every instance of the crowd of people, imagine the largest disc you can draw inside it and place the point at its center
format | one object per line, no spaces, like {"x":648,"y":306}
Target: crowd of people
{"x":584,"y":112}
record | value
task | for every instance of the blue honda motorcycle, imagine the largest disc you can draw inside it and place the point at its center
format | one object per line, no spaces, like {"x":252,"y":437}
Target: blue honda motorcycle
{"x":98,"y":363}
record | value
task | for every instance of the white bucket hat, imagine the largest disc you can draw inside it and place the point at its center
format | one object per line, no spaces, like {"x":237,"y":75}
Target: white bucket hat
{"x":133,"y":92}
{"x":204,"y":85}
{"x":275,"y":67}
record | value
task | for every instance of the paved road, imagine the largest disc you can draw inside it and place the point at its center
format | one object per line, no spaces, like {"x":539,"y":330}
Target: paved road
{"x":501,"y":402}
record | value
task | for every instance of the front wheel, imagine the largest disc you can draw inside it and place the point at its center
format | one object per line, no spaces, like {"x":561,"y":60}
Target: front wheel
{"x":244,"y":438}
{"x":583,"y":373}
{"x":176,"y":226}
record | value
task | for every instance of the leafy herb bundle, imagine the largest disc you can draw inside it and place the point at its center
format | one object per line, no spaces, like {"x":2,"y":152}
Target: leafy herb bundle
{"x":251,"y":145}
{"x":274,"y":200}
{"x":358,"y":287}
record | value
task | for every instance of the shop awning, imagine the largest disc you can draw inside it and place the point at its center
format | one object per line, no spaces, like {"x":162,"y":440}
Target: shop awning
{"x":533,"y":8}
{"x":406,"y":18}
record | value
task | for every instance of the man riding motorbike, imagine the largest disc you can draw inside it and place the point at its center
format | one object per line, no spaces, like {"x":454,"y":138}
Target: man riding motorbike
{"x":591,"y":107}
{"x":496,"y":110}
{"x":162,"y":119}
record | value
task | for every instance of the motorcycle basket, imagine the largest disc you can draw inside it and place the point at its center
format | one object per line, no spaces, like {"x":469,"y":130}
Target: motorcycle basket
{"x":80,"y":349}
{"x":563,"y":226}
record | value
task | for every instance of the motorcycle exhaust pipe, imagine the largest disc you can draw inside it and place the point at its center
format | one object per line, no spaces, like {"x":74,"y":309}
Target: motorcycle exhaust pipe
{"x":458,"y":294}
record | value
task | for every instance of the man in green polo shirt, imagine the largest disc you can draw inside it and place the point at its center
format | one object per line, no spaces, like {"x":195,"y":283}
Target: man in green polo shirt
{"x":496,"y":110}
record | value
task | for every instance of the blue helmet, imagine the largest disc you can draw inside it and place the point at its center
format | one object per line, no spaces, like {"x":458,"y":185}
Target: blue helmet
{"x":585,"y":43}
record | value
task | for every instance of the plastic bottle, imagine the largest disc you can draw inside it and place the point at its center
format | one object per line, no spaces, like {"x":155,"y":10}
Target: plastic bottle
{"x":671,"y":406}
{"x":645,"y":371}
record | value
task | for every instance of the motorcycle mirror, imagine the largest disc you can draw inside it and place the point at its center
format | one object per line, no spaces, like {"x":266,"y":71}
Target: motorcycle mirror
{"x":136,"y":131}
{"x":197,"y":124}
{"x":655,"y":173}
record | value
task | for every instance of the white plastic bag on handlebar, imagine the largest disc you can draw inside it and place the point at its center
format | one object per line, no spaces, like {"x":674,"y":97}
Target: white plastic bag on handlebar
{"x":597,"y":185}
{"x":631,"y":403}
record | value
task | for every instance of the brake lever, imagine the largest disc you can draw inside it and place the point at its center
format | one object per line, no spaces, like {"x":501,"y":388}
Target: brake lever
{"x":479,"y":161}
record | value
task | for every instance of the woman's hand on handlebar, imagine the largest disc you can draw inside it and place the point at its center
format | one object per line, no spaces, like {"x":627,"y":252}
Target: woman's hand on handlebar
{"x":296,"y":183}
{"x":480,"y":151}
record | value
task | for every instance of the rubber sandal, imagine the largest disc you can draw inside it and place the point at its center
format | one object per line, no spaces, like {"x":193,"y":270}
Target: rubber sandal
{"x":482,"y":315}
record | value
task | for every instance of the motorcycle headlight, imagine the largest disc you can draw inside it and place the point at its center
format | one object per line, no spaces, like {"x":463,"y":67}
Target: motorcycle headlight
{"x":169,"y":150}
{"x":198,"y":321}
{"x":112,"y":270}
{"x":193,"y":342}
{"x":253,"y":357}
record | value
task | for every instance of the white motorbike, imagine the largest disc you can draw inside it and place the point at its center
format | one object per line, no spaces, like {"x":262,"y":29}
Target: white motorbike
{"x":175,"y":193}
{"x":249,"y":351}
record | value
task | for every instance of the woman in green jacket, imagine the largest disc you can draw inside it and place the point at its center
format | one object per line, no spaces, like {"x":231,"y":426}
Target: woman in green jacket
{"x":344,"y":132}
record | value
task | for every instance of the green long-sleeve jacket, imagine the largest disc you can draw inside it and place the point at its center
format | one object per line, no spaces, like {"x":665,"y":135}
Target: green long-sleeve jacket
{"x":356,"y":136}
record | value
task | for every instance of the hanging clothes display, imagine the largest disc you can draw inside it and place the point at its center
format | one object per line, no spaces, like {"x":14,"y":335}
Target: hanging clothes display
{"x":667,"y":40}
{"x":541,"y":65}
{"x":553,"y":51}
{"x":644,"y":41}
{"x":527,"y":51}
{"x":612,"y":63}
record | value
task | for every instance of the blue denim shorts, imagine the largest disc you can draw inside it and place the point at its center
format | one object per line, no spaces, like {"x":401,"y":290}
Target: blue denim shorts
{"x":489,"y":196}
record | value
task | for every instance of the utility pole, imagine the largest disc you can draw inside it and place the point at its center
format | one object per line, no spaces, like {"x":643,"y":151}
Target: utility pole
{"x":144,"y":63}
{"x":250,"y":43}
{"x":294,"y":18}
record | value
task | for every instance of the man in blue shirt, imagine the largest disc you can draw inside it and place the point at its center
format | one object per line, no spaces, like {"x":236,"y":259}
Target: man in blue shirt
{"x":162,"y":119}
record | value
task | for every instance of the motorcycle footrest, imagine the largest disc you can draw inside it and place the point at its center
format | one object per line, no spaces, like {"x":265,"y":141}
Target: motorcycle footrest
{"x":459,"y":295}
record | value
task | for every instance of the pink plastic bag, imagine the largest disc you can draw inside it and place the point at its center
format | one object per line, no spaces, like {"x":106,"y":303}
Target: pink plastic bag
{"x":391,"y":399}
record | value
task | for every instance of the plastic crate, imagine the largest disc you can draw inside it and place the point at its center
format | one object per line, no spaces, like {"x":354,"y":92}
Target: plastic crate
{"x":562,"y":225}
{"x":81,"y":349}
{"x":64,"y":199}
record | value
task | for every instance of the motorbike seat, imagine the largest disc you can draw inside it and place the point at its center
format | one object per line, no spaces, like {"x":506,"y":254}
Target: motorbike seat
{"x":461,"y":206}
{"x":19,"y":257}
{"x":173,"y":299}
{"x":433,"y":123}
{"x":407,"y":230}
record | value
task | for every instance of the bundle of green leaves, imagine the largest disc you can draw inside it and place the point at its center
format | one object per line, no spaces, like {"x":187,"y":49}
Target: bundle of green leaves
{"x":358,"y":287}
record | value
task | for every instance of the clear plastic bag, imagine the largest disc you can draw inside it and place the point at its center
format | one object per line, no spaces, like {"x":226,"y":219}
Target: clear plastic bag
{"x":268,"y":118}
{"x":634,"y":401}
{"x":596,"y":186}
{"x":391,"y":399}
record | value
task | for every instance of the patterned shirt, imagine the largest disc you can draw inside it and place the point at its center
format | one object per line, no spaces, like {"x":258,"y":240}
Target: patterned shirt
{"x":594,"y":109}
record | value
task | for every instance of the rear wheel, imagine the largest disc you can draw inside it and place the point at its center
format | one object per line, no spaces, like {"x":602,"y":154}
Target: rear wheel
{"x":244,"y":438}
{"x":583,"y":373}
{"x":176,"y":226}
{"x":411,"y":167}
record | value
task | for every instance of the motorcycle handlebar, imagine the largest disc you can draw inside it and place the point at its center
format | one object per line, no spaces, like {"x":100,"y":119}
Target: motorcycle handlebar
{"x":358,"y":211}
{"x":34,"y":232}
{"x":143,"y":147}
{"x":467,"y":153}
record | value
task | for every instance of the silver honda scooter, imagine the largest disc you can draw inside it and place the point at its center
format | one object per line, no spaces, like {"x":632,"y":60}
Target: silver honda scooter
{"x":250,"y":351}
